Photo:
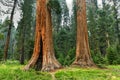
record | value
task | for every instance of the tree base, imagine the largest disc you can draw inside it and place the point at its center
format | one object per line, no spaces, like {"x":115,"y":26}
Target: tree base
{"x":84,"y":64}
{"x":43,"y":66}
{"x":49,"y":68}
{"x":46,"y":68}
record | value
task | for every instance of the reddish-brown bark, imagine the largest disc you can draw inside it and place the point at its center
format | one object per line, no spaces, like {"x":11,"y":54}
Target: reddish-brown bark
{"x":43,"y":57}
{"x":83,"y":57}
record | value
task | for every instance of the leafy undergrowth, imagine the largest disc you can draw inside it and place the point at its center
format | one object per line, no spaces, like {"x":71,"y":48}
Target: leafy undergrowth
{"x":12,"y":70}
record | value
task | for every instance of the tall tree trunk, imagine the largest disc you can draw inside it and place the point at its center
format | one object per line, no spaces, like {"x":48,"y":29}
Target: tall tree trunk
{"x":83,"y":57}
{"x":43,"y":57}
{"x":9,"y":31}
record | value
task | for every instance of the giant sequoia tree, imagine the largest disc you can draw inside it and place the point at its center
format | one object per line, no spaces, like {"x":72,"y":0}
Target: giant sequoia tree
{"x":83,"y":57}
{"x":43,"y":57}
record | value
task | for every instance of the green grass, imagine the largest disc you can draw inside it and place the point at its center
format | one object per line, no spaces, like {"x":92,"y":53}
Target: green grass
{"x":111,"y":73}
{"x":12,"y":70}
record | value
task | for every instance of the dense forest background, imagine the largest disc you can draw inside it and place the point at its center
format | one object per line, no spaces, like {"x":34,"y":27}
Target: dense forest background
{"x":103,"y":31}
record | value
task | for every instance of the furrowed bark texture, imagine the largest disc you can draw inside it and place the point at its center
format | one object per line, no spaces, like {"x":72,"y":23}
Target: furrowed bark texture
{"x":83,"y":57}
{"x":43,"y":57}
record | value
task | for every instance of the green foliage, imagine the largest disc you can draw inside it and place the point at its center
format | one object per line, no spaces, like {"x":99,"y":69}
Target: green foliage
{"x":26,"y":30}
{"x":98,"y":58}
{"x":64,"y":34}
{"x":113,"y":55}
{"x":3,"y":33}
{"x":118,"y":53}
{"x":64,"y":47}
{"x":70,"y":57}
{"x":55,"y":6}
{"x":4,"y":26}
{"x":1,"y":36}
{"x":101,"y":25}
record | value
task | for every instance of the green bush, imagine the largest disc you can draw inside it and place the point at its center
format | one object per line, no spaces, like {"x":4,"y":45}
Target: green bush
{"x":67,"y":59}
{"x":70,"y":57}
{"x":98,"y":58}
{"x":112,"y":55}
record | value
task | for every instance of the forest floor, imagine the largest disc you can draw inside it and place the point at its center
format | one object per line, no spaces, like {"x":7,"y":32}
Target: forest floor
{"x":12,"y":70}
